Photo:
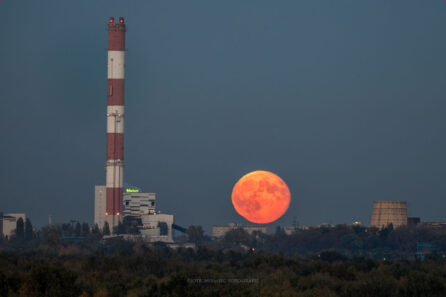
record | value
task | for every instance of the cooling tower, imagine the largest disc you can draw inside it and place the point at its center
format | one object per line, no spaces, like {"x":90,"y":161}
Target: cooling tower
{"x":387,"y":212}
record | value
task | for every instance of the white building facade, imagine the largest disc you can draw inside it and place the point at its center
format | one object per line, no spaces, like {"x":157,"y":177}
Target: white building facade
{"x":157,"y":227}
{"x":100,"y":208}
{"x":137,"y":204}
{"x":154,"y":226}
{"x":219,"y":231}
{"x":9,"y":223}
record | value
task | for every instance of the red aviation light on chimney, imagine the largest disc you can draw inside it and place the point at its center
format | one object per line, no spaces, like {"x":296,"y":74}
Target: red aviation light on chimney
{"x":111,"y":20}
{"x":121,"y":20}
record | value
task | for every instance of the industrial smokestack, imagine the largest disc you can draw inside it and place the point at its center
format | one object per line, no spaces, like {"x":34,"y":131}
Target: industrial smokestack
{"x":115,"y":120}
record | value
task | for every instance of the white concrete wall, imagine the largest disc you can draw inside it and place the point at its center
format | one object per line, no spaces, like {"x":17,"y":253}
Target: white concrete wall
{"x":10,"y":224}
{"x":219,"y":231}
{"x":116,"y":64}
{"x":150,"y":230}
{"x":138,"y":204}
{"x":99,"y":205}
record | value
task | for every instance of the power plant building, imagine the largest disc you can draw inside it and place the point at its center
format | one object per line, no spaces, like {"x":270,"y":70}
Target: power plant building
{"x":386,"y":212}
{"x":8,"y":222}
{"x":99,"y":206}
{"x":157,"y":227}
{"x":111,"y":203}
{"x":137,"y":204}
{"x":154,"y":226}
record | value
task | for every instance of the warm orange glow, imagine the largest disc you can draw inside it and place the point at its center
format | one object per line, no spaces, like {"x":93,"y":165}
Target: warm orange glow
{"x":261,"y":197}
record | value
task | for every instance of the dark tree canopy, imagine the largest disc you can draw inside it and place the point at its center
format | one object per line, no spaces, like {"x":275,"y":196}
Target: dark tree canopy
{"x":195,"y":233}
{"x":85,"y":229}
{"x":237,"y":235}
{"x":28,"y":229}
{"x":106,"y":229}
{"x":20,"y":229}
{"x":95,"y":229}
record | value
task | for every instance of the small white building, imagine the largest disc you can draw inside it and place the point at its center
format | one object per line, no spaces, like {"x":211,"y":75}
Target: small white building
{"x":157,"y":227}
{"x":219,"y":231}
{"x":292,"y":229}
{"x":8,"y":222}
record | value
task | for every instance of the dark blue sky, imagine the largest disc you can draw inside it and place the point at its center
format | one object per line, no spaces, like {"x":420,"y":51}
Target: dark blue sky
{"x":345,"y":100}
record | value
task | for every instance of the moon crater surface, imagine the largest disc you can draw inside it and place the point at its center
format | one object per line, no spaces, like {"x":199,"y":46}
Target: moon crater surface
{"x":261,"y":197}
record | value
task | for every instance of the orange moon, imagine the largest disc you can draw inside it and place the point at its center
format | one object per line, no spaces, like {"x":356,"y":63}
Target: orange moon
{"x":261,"y":197}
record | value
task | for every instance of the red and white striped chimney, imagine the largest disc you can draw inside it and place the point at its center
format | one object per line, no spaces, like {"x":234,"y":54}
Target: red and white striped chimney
{"x":115,"y":120}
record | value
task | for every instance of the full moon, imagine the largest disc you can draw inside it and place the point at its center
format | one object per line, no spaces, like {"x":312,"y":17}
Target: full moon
{"x":261,"y":197}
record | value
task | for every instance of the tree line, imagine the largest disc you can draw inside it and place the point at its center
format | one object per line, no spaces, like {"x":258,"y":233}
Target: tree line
{"x":74,"y":259}
{"x":351,"y":241}
{"x":138,"y":270}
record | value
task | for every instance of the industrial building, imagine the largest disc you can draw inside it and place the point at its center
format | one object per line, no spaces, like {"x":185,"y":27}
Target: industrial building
{"x":433,"y":225}
{"x":137,"y":203}
{"x":111,"y":203}
{"x":292,"y":229}
{"x":413,"y":221}
{"x":219,"y":231}
{"x":8,"y":222}
{"x":157,"y":227}
{"x":387,"y":212}
{"x":99,"y":206}
{"x":154,"y":226}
